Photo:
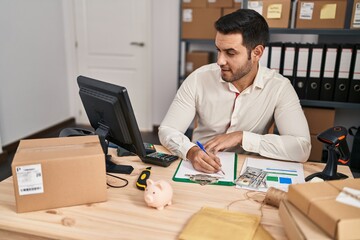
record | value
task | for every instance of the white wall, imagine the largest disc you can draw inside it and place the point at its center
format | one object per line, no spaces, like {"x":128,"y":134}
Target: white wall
{"x":34,"y":93}
{"x":165,"y":55}
{"x":36,"y":75}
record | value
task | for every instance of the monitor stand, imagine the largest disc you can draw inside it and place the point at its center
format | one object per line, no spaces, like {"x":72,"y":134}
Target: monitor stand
{"x":112,"y":167}
{"x":102,"y":131}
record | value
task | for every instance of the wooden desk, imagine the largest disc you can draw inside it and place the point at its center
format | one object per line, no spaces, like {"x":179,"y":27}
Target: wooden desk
{"x":125,"y":214}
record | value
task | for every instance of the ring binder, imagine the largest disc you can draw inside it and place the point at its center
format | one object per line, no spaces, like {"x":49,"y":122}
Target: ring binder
{"x":354,"y":89}
{"x":316,"y":59}
{"x":328,"y":79}
{"x":342,"y":81}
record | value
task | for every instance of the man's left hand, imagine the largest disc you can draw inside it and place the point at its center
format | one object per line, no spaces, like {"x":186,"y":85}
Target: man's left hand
{"x":224,"y":141}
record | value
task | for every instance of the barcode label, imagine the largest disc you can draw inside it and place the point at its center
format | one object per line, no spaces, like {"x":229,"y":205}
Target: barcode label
{"x":356,"y":21}
{"x":29,"y":178}
{"x":306,"y":10}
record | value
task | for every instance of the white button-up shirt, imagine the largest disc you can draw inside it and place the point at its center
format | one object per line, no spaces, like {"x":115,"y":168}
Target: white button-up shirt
{"x":220,"y":108}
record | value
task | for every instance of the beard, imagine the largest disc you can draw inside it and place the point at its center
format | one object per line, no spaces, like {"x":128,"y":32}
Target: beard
{"x":230,"y":76}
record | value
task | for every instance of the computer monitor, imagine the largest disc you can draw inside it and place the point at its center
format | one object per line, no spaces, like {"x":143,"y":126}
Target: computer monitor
{"x":110,"y":113}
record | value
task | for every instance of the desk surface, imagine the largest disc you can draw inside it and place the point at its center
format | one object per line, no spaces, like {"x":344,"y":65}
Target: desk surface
{"x":125,"y":214}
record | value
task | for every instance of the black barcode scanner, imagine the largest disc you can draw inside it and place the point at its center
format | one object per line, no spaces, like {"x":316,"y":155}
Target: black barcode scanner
{"x":338,"y":151}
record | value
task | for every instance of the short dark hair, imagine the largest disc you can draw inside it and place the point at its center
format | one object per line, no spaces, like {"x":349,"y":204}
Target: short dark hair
{"x":249,"y":23}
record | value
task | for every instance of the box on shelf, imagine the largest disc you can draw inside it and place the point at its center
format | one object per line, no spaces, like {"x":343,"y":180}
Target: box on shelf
{"x":237,"y":3}
{"x":318,"y":202}
{"x":226,"y":11}
{"x":326,"y":14}
{"x":319,"y":119}
{"x":193,"y":3}
{"x":198,"y":23}
{"x":196,"y":59}
{"x":355,"y":18}
{"x":58,"y":172}
{"x":316,"y":149}
{"x":276,"y":12}
{"x":297,"y":225}
{"x":219,"y":3}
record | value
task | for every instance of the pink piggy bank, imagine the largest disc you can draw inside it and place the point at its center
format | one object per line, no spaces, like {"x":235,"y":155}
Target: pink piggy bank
{"x":158,"y":194}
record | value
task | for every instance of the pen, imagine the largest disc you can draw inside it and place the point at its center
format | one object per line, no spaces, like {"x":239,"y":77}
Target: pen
{"x":202,"y":148}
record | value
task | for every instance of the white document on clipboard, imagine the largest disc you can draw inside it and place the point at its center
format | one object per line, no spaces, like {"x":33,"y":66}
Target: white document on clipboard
{"x":228,"y":162}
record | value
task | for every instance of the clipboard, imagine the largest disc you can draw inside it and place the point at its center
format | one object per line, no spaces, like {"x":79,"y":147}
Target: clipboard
{"x":229,"y":166}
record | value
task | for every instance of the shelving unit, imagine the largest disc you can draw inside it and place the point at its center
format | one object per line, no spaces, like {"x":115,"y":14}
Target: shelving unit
{"x":328,"y":34}
{"x":337,"y":32}
{"x":329,"y":104}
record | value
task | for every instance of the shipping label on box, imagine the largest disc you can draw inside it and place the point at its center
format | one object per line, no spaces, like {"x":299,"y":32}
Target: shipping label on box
{"x":355,"y":19}
{"x":318,"y":202}
{"x":306,"y":10}
{"x":256,"y":5}
{"x":58,"y":172}
{"x":29,"y":178}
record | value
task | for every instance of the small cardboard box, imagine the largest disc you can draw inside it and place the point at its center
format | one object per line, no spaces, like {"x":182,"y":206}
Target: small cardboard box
{"x":226,"y":11}
{"x":237,"y":3}
{"x":195,"y":60}
{"x":297,"y":225}
{"x":316,"y":149}
{"x":319,"y":119}
{"x":355,"y":18}
{"x":318,"y":202}
{"x":193,"y":3}
{"x":198,"y":23}
{"x":58,"y":172}
{"x":219,"y":3}
{"x":275,"y":12}
{"x":326,"y":14}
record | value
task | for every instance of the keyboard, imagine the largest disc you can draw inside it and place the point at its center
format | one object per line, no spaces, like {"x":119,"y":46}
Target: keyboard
{"x":160,"y":159}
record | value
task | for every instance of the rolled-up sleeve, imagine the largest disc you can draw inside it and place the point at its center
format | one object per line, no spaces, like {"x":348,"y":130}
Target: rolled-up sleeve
{"x":178,"y":119}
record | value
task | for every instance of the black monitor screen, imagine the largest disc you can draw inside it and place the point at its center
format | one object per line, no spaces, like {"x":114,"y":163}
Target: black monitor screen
{"x":110,"y":113}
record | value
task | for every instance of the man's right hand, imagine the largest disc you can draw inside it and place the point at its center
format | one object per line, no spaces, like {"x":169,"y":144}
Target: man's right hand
{"x":208,"y":163}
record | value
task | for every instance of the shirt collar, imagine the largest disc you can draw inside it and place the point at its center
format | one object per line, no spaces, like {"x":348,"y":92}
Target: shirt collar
{"x":258,"y":81}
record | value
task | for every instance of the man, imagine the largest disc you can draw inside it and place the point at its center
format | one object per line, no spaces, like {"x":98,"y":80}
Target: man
{"x":235,"y":102}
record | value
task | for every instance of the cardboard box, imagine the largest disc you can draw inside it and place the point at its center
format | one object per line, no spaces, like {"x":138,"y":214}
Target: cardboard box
{"x":58,"y":172}
{"x":319,"y":119}
{"x":326,"y":14}
{"x":318,"y":202}
{"x":219,"y":3}
{"x":195,"y":60}
{"x":316,"y":149}
{"x":355,"y":18}
{"x":226,"y":11}
{"x":297,"y":225}
{"x":198,"y":23}
{"x":193,"y":3}
{"x":277,"y":13}
{"x":237,"y":3}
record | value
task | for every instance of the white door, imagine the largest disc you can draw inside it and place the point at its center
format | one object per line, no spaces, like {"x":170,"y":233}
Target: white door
{"x":113,"y":45}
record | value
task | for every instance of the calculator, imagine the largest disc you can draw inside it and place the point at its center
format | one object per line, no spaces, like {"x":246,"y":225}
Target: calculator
{"x":160,"y":159}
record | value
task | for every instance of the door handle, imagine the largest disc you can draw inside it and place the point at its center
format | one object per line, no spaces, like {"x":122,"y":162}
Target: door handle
{"x":139,"y":44}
